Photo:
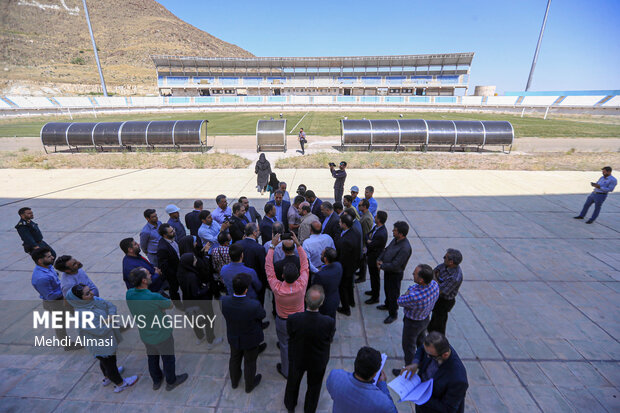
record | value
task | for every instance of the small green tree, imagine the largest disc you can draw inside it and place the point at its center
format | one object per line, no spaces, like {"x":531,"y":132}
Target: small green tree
{"x":78,"y":61}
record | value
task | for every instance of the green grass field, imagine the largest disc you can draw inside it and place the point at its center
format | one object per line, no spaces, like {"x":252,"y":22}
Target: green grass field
{"x":327,"y":123}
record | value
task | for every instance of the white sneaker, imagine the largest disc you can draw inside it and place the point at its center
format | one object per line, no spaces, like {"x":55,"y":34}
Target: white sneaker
{"x":129,"y":381}
{"x":106,"y":381}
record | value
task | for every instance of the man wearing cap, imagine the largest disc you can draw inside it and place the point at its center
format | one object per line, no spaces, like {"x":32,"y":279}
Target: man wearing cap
{"x":341,"y":176}
{"x":356,"y":200}
{"x":602,"y":187}
{"x":174,"y":221}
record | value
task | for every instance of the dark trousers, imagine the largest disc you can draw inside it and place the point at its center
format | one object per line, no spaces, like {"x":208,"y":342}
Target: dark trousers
{"x":165,"y":350}
{"x":302,"y":143}
{"x":391,"y":287}
{"x":41,"y":244}
{"x":173,"y":282}
{"x":375,"y":279}
{"x":338,"y":193}
{"x":110,"y":369}
{"x":362,"y":269}
{"x":597,"y":200}
{"x":346,"y":289}
{"x":314,"y":378}
{"x":201,"y":307}
{"x":413,"y":337}
{"x":439,"y":318}
{"x":249,"y":366}
{"x":58,"y":305}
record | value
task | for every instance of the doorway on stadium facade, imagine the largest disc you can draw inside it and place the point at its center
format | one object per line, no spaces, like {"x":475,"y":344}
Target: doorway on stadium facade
{"x":346,"y":92}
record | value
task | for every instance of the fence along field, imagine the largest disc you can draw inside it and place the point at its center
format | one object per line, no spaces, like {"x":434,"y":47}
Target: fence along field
{"x":327,"y":123}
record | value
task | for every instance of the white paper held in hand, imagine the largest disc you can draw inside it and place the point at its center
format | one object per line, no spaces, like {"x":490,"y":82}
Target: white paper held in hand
{"x":383,"y":360}
{"x":413,"y":389}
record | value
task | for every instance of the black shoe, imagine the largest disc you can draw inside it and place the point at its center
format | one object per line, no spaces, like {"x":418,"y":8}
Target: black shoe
{"x":360,"y":280}
{"x":343,"y":311}
{"x":180,"y":380}
{"x":578,"y":217}
{"x":396,"y":372}
{"x":589,"y":221}
{"x":157,"y":385}
{"x":372,"y":301}
{"x":257,"y":380}
{"x":265,"y":324}
{"x":389,"y":320}
{"x":279,"y":368}
{"x":235,"y":385}
{"x":382,"y":307}
{"x":352,"y":304}
{"x":262,"y":347}
{"x":368,"y":293}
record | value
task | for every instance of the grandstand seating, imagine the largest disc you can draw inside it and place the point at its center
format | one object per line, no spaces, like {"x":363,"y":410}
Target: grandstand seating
{"x":471,"y":100}
{"x":74,"y":101}
{"x":112,"y":101}
{"x":147,"y":101}
{"x":228,"y":81}
{"x":501,"y":100}
{"x":581,"y":100}
{"x":31,"y":102}
{"x":539,"y":100}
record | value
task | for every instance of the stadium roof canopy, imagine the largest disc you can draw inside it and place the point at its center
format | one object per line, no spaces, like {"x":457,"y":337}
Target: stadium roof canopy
{"x":165,"y":63}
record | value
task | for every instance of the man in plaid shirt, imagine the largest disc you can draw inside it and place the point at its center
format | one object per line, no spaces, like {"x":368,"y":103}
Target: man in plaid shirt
{"x":220,"y":255}
{"x":418,"y":303}
{"x":449,"y":277}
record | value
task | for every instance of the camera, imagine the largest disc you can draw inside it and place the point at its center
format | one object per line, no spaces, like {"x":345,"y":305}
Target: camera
{"x":287,"y":235}
{"x":331,"y":164}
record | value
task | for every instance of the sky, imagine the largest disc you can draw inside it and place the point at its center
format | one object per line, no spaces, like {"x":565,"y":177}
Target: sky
{"x":580,"y":48}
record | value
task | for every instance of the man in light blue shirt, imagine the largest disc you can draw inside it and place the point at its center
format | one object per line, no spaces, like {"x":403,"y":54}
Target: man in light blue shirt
{"x":315,"y":245}
{"x":149,"y":236}
{"x":355,"y":200}
{"x":605,"y":185}
{"x":45,"y":280}
{"x":368,"y":194}
{"x":222,"y":211}
{"x":285,"y":195}
{"x":229,"y":271}
{"x":175,"y":222}
{"x":355,"y":392}
{"x":73,"y":274}
{"x":210,"y":229}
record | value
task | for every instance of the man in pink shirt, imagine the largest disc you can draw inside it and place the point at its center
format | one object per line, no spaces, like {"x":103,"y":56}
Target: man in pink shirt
{"x":289,"y":295}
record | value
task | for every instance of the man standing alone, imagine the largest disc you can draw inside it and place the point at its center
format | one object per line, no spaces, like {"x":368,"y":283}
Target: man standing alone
{"x":605,"y":185}
{"x":30,"y":233}
{"x":341,"y":176}
{"x":302,"y":140}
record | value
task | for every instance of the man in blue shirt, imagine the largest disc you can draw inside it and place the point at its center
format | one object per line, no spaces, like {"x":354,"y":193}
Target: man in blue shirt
{"x":73,"y":274}
{"x":133,"y":259}
{"x":605,"y":185}
{"x":229,"y":271}
{"x":149,"y":237}
{"x":222,"y":211}
{"x":210,"y":229}
{"x":355,"y":392}
{"x":355,"y":200}
{"x":175,"y":222}
{"x":368,"y":194}
{"x":45,"y":280}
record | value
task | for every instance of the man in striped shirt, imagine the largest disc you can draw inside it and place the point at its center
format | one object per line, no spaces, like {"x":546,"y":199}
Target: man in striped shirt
{"x":418,"y":303}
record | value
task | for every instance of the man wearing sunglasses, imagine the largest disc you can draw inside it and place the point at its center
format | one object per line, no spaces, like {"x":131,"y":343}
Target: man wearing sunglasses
{"x":437,"y":360}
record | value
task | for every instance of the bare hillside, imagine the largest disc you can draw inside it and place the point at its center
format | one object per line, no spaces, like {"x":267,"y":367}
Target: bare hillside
{"x":46,"y":48}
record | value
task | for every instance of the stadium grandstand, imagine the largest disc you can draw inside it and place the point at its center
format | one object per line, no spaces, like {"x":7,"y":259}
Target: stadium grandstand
{"x":406,"y":75}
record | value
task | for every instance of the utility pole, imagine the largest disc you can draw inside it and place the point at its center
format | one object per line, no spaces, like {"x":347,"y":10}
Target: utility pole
{"x":542,"y":31}
{"x":92,"y":37}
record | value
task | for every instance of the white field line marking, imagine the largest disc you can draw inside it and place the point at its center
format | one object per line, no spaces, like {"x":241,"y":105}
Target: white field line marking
{"x":302,"y":118}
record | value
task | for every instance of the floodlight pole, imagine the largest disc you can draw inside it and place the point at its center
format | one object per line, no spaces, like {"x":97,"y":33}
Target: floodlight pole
{"x":542,"y":31}
{"x":92,"y":37}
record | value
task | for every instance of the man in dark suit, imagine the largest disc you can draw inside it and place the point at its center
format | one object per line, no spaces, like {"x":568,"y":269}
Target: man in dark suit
{"x":250,"y":212}
{"x":237,"y":222}
{"x":331,"y":223}
{"x":245,"y":334}
{"x":267,"y":223}
{"x":348,"y":247}
{"x":168,"y":260}
{"x":254,"y":256}
{"x":437,"y":360}
{"x":288,"y":247}
{"x":329,"y":278}
{"x":315,"y":204}
{"x":310,"y":336}
{"x":375,"y":243}
{"x":281,"y":208}
{"x":192,"y":222}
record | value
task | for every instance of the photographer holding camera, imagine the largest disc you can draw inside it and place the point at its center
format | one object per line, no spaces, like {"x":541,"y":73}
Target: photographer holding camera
{"x":341,"y":176}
